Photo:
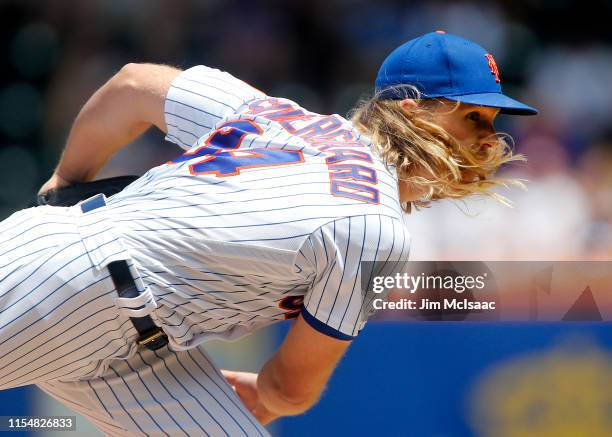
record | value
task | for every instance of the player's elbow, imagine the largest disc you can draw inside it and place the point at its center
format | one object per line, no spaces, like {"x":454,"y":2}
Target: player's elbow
{"x":131,"y":77}
{"x":147,"y":76}
{"x":289,"y":394}
{"x":299,"y":397}
{"x":292,"y":402}
{"x":142,"y":89}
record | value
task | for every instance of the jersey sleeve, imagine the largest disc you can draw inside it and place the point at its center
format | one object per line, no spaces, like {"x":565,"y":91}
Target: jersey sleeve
{"x":338,"y":256}
{"x":199,"y":98}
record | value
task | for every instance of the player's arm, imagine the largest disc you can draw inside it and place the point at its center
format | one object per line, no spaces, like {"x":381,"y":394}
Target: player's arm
{"x":120,"y":111}
{"x":293,"y":379}
{"x":333,"y":312}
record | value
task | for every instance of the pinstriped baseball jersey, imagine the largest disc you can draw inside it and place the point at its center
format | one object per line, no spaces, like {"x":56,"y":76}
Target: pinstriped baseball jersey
{"x":63,"y":327}
{"x":268,"y":213}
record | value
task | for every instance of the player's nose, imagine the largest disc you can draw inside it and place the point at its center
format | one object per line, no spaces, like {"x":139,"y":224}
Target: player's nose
{"x":487,"y":136}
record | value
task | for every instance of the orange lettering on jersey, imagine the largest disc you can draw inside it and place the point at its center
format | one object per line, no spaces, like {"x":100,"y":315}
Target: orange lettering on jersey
{"x":272,"y":109}
{"x":353,"y":172}
{"x":324,"y":125}
{"x":327,"y":134}
{"x":348,"y":154}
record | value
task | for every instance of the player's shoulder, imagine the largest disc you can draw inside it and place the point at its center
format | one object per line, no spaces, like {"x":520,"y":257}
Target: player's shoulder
{"x":380,"y":230}
{"x":347,"y":242}
{"x":199,"y":72}
{"x":215,"y":85}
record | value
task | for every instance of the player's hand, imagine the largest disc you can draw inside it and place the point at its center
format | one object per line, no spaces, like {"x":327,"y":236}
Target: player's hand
{"x":245,"y":386}
{"x":55,"y":182}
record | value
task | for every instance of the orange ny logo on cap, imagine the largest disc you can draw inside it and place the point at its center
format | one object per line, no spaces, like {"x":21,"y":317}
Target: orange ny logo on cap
{"x":493,"y":66}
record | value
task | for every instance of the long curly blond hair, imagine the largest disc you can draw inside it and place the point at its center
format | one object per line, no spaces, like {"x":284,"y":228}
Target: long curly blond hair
{"x":426,"y":155}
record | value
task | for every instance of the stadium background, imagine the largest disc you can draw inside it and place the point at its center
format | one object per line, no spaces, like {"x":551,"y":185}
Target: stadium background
{"x":398,"y":379}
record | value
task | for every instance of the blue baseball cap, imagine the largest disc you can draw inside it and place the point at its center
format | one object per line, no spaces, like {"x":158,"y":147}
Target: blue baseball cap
{"x":439,"y":64}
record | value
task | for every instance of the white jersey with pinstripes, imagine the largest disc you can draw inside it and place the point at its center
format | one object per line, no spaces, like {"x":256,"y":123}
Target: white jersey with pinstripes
{"x":268,"y":213}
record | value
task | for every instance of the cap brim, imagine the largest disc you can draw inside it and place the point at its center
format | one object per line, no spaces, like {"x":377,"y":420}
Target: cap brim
{"x":496,"y":100}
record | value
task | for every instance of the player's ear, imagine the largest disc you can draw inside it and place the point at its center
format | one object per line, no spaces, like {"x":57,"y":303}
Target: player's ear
{"x":409,"y":105}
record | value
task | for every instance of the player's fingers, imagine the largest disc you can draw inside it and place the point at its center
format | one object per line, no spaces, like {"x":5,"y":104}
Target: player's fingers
{"x":54,"y":182}
{"x":230,"y":376}
{"x":263,"y":415}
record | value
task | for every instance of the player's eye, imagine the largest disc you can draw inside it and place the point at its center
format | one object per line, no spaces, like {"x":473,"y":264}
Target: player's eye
{"x":473,"y":116}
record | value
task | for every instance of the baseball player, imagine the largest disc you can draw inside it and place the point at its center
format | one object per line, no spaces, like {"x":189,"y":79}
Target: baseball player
{"x":266,"y":216}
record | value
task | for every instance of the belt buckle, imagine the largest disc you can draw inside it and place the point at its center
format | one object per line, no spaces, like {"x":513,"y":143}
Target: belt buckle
{"x":153,"y":340}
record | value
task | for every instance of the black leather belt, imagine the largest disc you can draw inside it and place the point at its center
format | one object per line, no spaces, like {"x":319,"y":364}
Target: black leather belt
{"x":149,"y":335}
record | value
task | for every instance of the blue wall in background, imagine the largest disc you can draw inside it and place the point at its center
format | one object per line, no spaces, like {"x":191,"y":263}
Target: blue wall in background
{"x":16,"y":402}
{"x":418,"y":379}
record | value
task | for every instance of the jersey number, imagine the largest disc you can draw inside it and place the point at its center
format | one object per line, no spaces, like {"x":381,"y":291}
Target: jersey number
{"x":221,"y":158}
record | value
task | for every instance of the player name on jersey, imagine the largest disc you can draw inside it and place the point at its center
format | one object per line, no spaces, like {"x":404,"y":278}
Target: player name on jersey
{"x":329,"y":134}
